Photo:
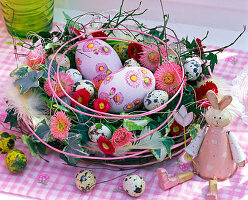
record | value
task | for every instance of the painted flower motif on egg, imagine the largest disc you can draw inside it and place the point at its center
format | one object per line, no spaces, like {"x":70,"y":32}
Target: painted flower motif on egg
{"x":126,"y":88}
{"x":96,"y":59}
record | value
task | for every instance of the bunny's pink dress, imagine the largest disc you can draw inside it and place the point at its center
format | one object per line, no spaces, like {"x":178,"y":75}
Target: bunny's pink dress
{"x":215,"y":157}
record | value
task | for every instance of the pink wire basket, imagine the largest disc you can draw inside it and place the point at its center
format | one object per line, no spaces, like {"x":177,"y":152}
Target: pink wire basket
{"x":133,"y":158}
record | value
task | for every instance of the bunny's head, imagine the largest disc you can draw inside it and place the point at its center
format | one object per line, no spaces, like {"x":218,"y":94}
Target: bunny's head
{"x":217,"y":116}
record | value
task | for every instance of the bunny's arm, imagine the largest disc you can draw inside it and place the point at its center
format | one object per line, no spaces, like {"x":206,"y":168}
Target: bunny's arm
{"x":193,"y":148}
{"x":237,"y":153}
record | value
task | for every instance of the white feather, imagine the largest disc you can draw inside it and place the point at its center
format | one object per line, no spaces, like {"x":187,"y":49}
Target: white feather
{"x":28,"y":105}
{"x":153,"y":141}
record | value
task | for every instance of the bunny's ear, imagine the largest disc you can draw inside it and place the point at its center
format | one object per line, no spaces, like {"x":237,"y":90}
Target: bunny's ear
{"x":225,"y":101}
{"x":212,"y":98}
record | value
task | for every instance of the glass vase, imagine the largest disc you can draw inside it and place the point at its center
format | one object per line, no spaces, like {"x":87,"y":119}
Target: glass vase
{"x":26,"y":16}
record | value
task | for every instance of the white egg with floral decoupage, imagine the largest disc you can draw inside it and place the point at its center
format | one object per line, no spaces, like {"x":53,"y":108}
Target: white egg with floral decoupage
{"x":96,"y":59}
{"x":126,"y":88}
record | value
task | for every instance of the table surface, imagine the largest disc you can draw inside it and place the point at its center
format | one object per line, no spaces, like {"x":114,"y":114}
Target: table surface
{"x":61,"y":178}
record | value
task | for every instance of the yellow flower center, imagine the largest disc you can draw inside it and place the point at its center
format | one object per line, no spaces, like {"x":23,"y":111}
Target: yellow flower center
{"x":101,"y":105}
{"x":90,"y":46}
{"x":105,"y":146}
{"x":176,"y":128}
{"x":117,"y":99}
{"x":168,"y":78}
{"x":101,"y":68}
{"x":147,"y":81}
{"x":61,"y":126}
{"x":108,"y":78}
{"x":144,"y":71}
{"x":133,"y":78}
{"x":80,"y":100}
{"x":129,"y":106}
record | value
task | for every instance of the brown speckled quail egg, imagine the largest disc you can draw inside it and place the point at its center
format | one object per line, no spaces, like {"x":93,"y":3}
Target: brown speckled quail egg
{"x":85,"y":180}
{"x":86,"y":84}
{"x":95,"y":132}
{"x":65,"y":61}
{"x":134,"y":185}
{"x":155,"y":99}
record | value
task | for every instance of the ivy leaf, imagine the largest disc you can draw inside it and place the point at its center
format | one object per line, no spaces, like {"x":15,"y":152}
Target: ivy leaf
{"x":29,"y":81}
{"x":11,"y":117}
{"x":194,"y":130}
{"x":82,"y":118}
{"x":69,"y":160}
{"x":43,"y":131}
{"x":213,"y":60}
{"x":31,"y":146}
{"x":73,"y":147}
{"x":82,"y":130}
{"x":168,"y":142}
{"x":53,"y":68}
{"x":41,"y":148}
{"x":160,"y":154}
{"x":136,"y":123}
{"x":20,"y":72}
{"x":154,"y":32}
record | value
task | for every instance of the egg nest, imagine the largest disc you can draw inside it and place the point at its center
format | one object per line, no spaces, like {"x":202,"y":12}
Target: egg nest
{"x":111,"y":72}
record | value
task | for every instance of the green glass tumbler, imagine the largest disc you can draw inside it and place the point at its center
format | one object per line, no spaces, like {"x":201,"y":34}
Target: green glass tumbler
{"x":27,"y":16}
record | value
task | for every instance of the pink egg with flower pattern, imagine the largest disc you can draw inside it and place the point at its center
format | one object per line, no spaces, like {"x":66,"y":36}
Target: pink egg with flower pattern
{"x":96,"y":59}
{"x":126,"y":88}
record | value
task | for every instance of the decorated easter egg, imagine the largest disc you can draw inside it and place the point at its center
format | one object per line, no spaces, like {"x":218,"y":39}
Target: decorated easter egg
{"x":155,"y":99}
{"x":96,"y":59}
{"x":134,"y":185}
{"x":126,"y":88}
{"x":85,"y":180}
{"x":86,"y":84}
{"x":15,"y":161}
{"x":65,"y":62}
{"x":75,"y":75}
{"x":98,"y":130}
{"x":121,"y":50}
{"x":7,"y":142}
{"x":131,"y":63}
{"x":192,"y":68}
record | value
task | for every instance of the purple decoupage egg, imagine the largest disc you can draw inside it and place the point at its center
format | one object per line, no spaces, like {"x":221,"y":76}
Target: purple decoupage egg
{"x":96,"y":59}
{"x":126,"y":88}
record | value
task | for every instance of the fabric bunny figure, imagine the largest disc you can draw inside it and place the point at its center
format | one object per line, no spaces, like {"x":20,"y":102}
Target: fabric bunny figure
{"x":215,"y":150}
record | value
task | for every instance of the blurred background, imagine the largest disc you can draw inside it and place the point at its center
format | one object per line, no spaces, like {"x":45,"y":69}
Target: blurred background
{"x":226,"y":14}
{"x":223,"y":18}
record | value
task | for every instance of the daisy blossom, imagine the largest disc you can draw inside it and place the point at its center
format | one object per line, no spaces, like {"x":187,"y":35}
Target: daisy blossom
{"x":60,"y":125}
{"x":66,"y":82}
{"x":168,"y":78}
